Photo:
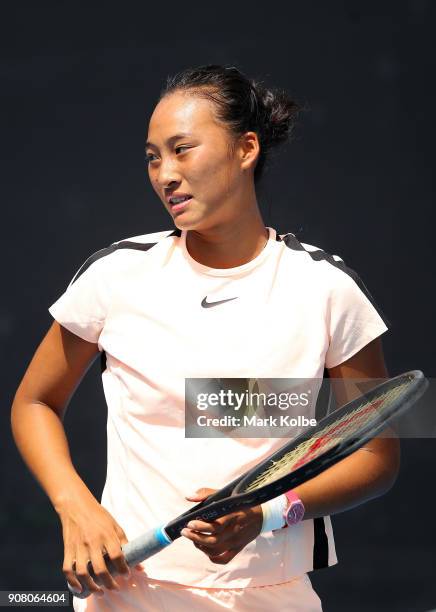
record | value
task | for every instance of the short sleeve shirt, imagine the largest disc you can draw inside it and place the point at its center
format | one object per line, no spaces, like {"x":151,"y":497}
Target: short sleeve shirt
{"x":291,"y":311}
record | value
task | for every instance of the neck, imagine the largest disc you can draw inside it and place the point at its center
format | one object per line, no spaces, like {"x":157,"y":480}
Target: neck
{"x":227,"y":246}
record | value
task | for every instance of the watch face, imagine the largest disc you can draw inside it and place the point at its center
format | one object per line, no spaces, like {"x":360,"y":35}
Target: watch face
{"x":294,"y":513}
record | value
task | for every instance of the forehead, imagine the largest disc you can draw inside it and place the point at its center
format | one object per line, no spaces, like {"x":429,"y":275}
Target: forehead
{"x":180,"y":112}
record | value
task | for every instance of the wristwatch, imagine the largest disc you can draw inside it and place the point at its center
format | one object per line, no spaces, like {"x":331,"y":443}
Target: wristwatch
{"x":294,"y":513}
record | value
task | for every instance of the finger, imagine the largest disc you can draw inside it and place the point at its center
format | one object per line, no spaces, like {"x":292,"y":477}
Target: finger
{"x":82,"y":571}
{"x":201,"y":493}
{"x":69,"y":573}
{"x":121,"y":565}
{"x":202,"y":526}
{"x":195,"y":497}
{"x":121,"y":534}
{"x":225,"y":557}
{"x":117,"y":559}
{"x":209,"y":543}
{"x":102,"y":570}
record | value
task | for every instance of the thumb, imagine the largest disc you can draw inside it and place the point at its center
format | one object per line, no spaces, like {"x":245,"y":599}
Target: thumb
{"x":121,"y":535}
{"x":200,"y":494}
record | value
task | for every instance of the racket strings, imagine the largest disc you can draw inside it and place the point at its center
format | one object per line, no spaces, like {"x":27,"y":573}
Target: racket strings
{"x":326,"y":438}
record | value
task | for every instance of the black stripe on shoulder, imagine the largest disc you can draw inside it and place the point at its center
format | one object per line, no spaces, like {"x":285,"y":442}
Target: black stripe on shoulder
{"x":320,"y":544}
{"x":124,"y":244}
{"x":97,"y":255}
{"x":319,"y":255}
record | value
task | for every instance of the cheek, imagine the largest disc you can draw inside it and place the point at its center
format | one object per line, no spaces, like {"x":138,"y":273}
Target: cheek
{"x":212,"y":171}
{"x":201,"y":167}
{"x":152,"y":177}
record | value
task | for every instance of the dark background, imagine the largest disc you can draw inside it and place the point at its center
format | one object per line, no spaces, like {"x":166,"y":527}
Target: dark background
{"x":79,"y":82}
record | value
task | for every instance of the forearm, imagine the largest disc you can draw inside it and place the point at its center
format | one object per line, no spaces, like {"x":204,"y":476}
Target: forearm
{"x":362,"y":476}
{"x":40,"y":437}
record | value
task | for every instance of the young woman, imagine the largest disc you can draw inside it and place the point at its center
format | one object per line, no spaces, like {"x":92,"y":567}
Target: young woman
{"x":221,"y":295}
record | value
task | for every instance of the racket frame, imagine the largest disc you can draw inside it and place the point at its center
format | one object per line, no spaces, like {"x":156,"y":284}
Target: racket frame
{"x":232,"y":497}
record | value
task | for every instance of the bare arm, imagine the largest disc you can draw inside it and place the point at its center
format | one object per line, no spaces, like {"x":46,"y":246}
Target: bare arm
{"x":371,"y":470}
{"x":56,"y":369}
{"x":39,"y":406}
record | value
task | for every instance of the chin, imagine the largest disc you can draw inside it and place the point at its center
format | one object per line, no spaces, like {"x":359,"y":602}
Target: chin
{"x":185,"y":223}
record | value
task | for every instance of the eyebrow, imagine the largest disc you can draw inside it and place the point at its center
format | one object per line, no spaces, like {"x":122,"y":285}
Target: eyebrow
{"x":171,"y":139}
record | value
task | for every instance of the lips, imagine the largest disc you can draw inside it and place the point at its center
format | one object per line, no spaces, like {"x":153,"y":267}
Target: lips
{"x":180,"y":205}
{"x":177,"y":195}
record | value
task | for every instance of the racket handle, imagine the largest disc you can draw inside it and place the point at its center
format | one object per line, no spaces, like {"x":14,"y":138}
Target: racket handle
{"x":146,"y":545}
{"x":135,"y":551}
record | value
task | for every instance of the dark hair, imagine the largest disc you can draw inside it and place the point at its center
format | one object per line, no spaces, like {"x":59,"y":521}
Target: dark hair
{"x":242,"y":104}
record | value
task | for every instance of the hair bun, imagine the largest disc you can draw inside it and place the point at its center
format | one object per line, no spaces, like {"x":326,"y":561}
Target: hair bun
{"x":278,"y":114}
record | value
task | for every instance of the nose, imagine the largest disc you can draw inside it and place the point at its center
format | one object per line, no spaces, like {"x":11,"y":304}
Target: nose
{"x":167,"y":174}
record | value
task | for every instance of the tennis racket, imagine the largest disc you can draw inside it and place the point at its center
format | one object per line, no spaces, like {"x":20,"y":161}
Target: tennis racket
{"x":316,"y":449}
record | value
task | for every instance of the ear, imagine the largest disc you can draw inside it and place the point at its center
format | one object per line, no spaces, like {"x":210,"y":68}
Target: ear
{"x":249,"y":150}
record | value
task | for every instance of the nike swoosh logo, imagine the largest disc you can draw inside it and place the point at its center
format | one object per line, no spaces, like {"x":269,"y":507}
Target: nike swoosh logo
{"x":207,"y":304}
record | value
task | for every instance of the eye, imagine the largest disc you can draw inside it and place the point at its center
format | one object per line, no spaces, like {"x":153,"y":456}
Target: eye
{"x":148,"y":157}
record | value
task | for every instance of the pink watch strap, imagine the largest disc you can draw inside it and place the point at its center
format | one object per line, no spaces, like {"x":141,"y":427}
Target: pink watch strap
{"x":292,"y":496}
{"x":295,"y":511}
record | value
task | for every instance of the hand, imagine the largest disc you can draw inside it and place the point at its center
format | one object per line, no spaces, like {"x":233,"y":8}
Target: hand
{"x":223,"y":538}
{"x":89,"y":531}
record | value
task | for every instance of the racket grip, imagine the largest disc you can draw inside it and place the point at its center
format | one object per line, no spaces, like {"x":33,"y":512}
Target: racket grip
{"x":146,"y":545}
{"x":135,"y":551}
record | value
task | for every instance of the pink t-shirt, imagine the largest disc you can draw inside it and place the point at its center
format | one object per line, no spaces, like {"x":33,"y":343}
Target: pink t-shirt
{"x":298,"y":310}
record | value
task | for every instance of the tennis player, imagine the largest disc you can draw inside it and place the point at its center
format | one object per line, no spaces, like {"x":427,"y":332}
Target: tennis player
{"x":218,"y":295}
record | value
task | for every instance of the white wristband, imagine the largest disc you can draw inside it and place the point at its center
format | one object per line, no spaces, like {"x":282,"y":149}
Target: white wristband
{"x":273,"y":513}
